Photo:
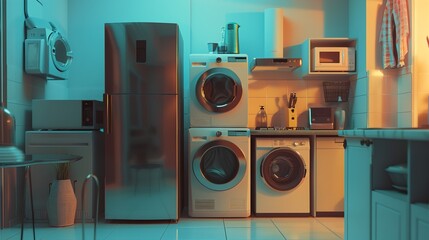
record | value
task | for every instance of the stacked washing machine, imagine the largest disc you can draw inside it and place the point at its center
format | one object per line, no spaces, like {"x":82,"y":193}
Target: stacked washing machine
{"x":219,"y":140}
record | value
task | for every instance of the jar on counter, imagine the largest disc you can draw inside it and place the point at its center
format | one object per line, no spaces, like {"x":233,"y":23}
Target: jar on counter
{"x":261,"y":118}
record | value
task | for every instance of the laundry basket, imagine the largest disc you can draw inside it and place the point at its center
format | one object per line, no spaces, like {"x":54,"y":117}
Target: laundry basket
{"x":336,"y":91}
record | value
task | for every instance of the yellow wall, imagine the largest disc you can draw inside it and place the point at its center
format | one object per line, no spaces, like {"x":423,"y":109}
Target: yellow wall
{"x":420,"y":52}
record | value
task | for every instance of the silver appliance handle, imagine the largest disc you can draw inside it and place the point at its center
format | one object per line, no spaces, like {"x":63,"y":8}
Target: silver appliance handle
{"x":108,"y":106}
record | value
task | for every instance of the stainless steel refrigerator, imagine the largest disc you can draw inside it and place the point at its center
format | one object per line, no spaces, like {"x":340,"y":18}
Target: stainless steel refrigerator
{"x":143,"y":121}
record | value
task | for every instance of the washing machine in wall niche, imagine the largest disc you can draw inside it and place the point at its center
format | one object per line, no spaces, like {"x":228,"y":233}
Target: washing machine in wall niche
{"x":47,"y":52}
{"x":281,"y":177}
{"x":219,"y":172}
{"x":218,"y":90}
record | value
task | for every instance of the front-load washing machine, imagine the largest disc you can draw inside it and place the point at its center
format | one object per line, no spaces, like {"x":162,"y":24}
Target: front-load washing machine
{"x":47,"y":52}
{"x":219,"y":172}
{"x":218,"y":90}
{"x":281,"y":177}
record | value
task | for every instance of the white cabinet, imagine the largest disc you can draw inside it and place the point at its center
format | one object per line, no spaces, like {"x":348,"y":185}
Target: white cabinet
{"x":374,"y":208}
{"x":357,"y":202}
{"x":329,"y":182}
{"x":389,"y":216}
{"x":89,"y":145}
{"x":420,"y":221}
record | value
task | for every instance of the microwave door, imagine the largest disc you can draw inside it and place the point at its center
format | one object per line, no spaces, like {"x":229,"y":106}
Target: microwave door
{"x":330,"y":57}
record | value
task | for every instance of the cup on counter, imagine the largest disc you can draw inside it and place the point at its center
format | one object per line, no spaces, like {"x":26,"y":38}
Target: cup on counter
{"x":212,"y":47}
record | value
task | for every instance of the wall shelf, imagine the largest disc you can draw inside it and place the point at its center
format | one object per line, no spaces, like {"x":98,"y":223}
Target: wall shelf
{"x":311,"y":43}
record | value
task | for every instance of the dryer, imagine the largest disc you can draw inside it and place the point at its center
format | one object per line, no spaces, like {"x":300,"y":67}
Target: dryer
{"x":47,"y":52}
{"x":218,"y":90}
{"x":281,"y":176}
{"x":219,"y":172}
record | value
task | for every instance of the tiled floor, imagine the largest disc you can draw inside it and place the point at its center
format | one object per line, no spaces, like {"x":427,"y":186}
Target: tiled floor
{"x":195,"y":228}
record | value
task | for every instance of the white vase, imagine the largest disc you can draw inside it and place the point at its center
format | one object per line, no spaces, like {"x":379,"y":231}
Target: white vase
{"x":61,"y":204}
{"x":340,"y":118}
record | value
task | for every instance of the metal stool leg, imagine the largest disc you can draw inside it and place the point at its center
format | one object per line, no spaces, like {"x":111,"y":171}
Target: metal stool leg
{"x":28,"y":174}
{"x":23,"y":205}
{"x":97,"y":183}
{"x":30,"y":184}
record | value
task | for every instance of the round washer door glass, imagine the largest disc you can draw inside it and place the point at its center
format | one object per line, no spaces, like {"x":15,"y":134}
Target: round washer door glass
{"x":219,"y":165}
{"x":283,"y":169}
{"x":60,"y":51}
{"x":219,"y":90}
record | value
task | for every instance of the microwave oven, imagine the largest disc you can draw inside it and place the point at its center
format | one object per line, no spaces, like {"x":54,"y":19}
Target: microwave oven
{"x":67,"y":114}
{"x":333,"y":59}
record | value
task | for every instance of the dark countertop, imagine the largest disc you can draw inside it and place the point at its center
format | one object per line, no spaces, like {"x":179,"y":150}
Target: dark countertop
{"x":306,"y":132}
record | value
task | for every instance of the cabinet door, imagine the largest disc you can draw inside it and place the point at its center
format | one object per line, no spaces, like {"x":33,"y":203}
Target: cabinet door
{"x":357,"y":196}
{"x":419,"y":221}
{"x":389,"y":216}
{"x":329,"y":175}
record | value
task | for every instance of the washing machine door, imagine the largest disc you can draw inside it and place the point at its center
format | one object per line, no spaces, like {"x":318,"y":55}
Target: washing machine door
{"x":219,"y":90}
{"x":283,"y":169}
{"x":219,"y":165}
{"x":60,"y":51}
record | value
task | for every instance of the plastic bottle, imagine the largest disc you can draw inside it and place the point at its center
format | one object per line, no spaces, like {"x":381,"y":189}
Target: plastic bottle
{"x":222,"y":44}
{"x":261,"y":118}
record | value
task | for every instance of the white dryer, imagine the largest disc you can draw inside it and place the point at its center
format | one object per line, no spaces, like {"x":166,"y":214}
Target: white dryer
{"x":218,"y":90}
{"x":282,"y":177}
{"x":219,"y":172}
{"x":47,"y":52}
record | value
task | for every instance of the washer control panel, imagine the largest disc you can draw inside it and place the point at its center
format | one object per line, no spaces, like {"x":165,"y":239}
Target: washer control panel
{"x":301,"y":143}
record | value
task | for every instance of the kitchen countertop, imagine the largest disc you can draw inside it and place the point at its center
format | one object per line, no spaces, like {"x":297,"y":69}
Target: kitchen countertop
{"x":388,"y":133}
{"x":305,"y":132}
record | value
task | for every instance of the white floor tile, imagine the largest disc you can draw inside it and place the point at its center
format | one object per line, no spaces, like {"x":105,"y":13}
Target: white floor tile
{"x":136,"y":233}
{"x":200,"y":222}
{"x":305,"y":229}
{"x":193,"y":229}
{"x":196,"y":233}
{"x":10,"y":233}
{"x":254,"y":233}
{"x":249,"y":223}
{"x":336,"y":225}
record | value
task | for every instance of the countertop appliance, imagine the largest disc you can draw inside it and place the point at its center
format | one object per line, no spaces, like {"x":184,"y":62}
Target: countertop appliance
{"x":333,"y":59}
{"x":219,"y":172}
{"x":321,"y":118}
{"x":47,"y":52}
{"x":218,"y":90}
{"x":276,"y":64}
{"x":281,"y":176}
{"x":89,"y":145}
{"x":143,"y":121}
{"x":67,"y":114}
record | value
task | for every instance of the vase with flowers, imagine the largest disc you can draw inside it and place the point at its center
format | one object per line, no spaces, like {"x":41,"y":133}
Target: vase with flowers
{"x":62,"y":203}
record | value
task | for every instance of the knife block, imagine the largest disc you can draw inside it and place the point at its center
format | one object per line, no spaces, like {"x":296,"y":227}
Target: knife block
{"x":292,"y":120}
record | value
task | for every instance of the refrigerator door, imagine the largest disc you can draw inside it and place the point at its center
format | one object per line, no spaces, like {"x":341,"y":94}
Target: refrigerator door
{"x":142,"y":157}
{"x":141,"y":58}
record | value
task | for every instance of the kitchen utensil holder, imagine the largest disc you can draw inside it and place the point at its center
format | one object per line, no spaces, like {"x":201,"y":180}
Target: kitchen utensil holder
{"x":292,"y":119}
{"x":336,"y":91}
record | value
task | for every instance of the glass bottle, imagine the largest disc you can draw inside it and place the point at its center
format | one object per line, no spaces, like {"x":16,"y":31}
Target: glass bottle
{"x":261,"y":118}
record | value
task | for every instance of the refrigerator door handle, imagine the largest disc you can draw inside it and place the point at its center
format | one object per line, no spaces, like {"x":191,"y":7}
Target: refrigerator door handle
{"x":108,"y":106}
